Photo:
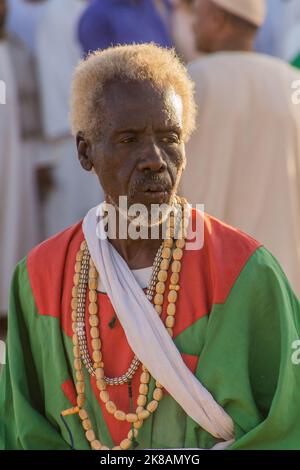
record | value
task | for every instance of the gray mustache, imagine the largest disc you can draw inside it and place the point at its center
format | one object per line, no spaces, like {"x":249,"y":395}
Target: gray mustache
{"x":153,"y":178}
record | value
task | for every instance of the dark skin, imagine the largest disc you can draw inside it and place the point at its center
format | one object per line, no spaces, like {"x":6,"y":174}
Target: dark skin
{"x":215,"y":30}
{"x":3,"y":13}
{"x":140,"y":154}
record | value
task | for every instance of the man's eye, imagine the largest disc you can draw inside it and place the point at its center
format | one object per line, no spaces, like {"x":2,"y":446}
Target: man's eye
{"x":128,"y":140}
{"x":170,"y":139}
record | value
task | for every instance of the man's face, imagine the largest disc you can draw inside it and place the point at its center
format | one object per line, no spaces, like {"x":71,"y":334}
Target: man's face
{"x":205,"y":27}
{"x":141,"y":152}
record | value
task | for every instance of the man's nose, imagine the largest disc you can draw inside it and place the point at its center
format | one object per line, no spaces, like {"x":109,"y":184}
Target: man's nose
{"x":152,"y":158}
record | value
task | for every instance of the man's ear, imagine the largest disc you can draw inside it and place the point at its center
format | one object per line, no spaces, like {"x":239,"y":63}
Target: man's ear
{"x":84,"y":152}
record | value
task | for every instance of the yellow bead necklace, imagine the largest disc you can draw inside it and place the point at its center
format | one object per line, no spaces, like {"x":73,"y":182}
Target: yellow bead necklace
{"x":86,"y":274}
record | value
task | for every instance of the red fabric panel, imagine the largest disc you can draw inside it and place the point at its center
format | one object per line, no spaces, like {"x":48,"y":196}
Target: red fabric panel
{"x":117,"y":356}
{"x":69,"y":391}
{"x":207,"y":277}
{"x":51,"y":268}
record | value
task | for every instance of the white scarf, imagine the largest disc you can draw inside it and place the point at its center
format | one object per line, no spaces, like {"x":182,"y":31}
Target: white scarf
{"x":149,"y":339}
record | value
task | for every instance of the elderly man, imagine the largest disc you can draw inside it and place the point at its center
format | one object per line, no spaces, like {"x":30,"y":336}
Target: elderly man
{"x":245,"y":154}
{"x":138,"y":342}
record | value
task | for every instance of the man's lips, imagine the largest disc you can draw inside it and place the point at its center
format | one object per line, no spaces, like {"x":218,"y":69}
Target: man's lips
{"x":157,"y":194}
{"x":154,"y":188}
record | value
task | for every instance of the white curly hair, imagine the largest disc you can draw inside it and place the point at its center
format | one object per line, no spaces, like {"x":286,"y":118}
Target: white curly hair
{"x":143,"y":62}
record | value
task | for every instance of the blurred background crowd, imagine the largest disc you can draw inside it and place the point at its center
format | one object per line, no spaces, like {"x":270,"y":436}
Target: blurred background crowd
{"x":243,"y":160}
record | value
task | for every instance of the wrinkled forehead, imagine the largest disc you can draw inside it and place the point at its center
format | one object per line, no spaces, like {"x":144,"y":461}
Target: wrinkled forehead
{"x":140,"y":103}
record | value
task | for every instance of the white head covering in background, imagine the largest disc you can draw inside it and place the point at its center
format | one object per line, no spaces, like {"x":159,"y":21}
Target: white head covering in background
{"x":253,"y":11}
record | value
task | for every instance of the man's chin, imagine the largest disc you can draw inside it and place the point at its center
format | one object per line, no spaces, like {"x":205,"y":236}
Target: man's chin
{"x":147,"y":198}
{"x":144,"y":209}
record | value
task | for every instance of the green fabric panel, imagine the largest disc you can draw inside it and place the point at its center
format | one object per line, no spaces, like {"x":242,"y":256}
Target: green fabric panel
{"x":27,"y":422}
{"x":37,"y":366}
{"x":30,"y":386}
{"x":92,"y":406}
{"x":245,"y":349}
{"x":192,"y":339}
{"x":170,"y":427}
{"x":246,"y":361}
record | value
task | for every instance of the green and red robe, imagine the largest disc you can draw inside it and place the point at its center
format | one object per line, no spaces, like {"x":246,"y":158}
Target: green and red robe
{"x":236,"y":323}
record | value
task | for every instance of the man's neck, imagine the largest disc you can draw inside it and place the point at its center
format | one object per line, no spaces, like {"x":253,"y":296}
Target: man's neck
{"x":137,"y":253}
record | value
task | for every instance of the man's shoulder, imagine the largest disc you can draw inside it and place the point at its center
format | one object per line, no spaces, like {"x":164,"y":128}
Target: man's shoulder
{"x":222,"y":255}
{"x":232,"y":254}
{"x":59,"y":243}
{"x":221,"y":236}
{"x":50,"y":265}
{"x":228,"y":246}
{"x":47,"y":261}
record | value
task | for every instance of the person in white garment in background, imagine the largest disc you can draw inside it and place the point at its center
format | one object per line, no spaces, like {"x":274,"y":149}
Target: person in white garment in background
{"x":177,"y":16}
{"x":181,"y":29}
{"x":31,"y":139}
{"x":58,"y":53}
{"x":17,"y":202}
{"x":23,"y":17}
{"x":244,"y":158}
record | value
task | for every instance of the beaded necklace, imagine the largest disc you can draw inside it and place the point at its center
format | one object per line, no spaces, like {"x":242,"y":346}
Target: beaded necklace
{"x":170,"y":253}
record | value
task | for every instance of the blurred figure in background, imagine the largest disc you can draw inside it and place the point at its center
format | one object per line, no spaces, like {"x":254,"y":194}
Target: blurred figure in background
{"x":181,"y":29}
{"x":244,"y":158}
{"x":23,"y":18}
{"x":109,"y":22}
{"x":58,"y":53}
{"x":18,"y":227}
